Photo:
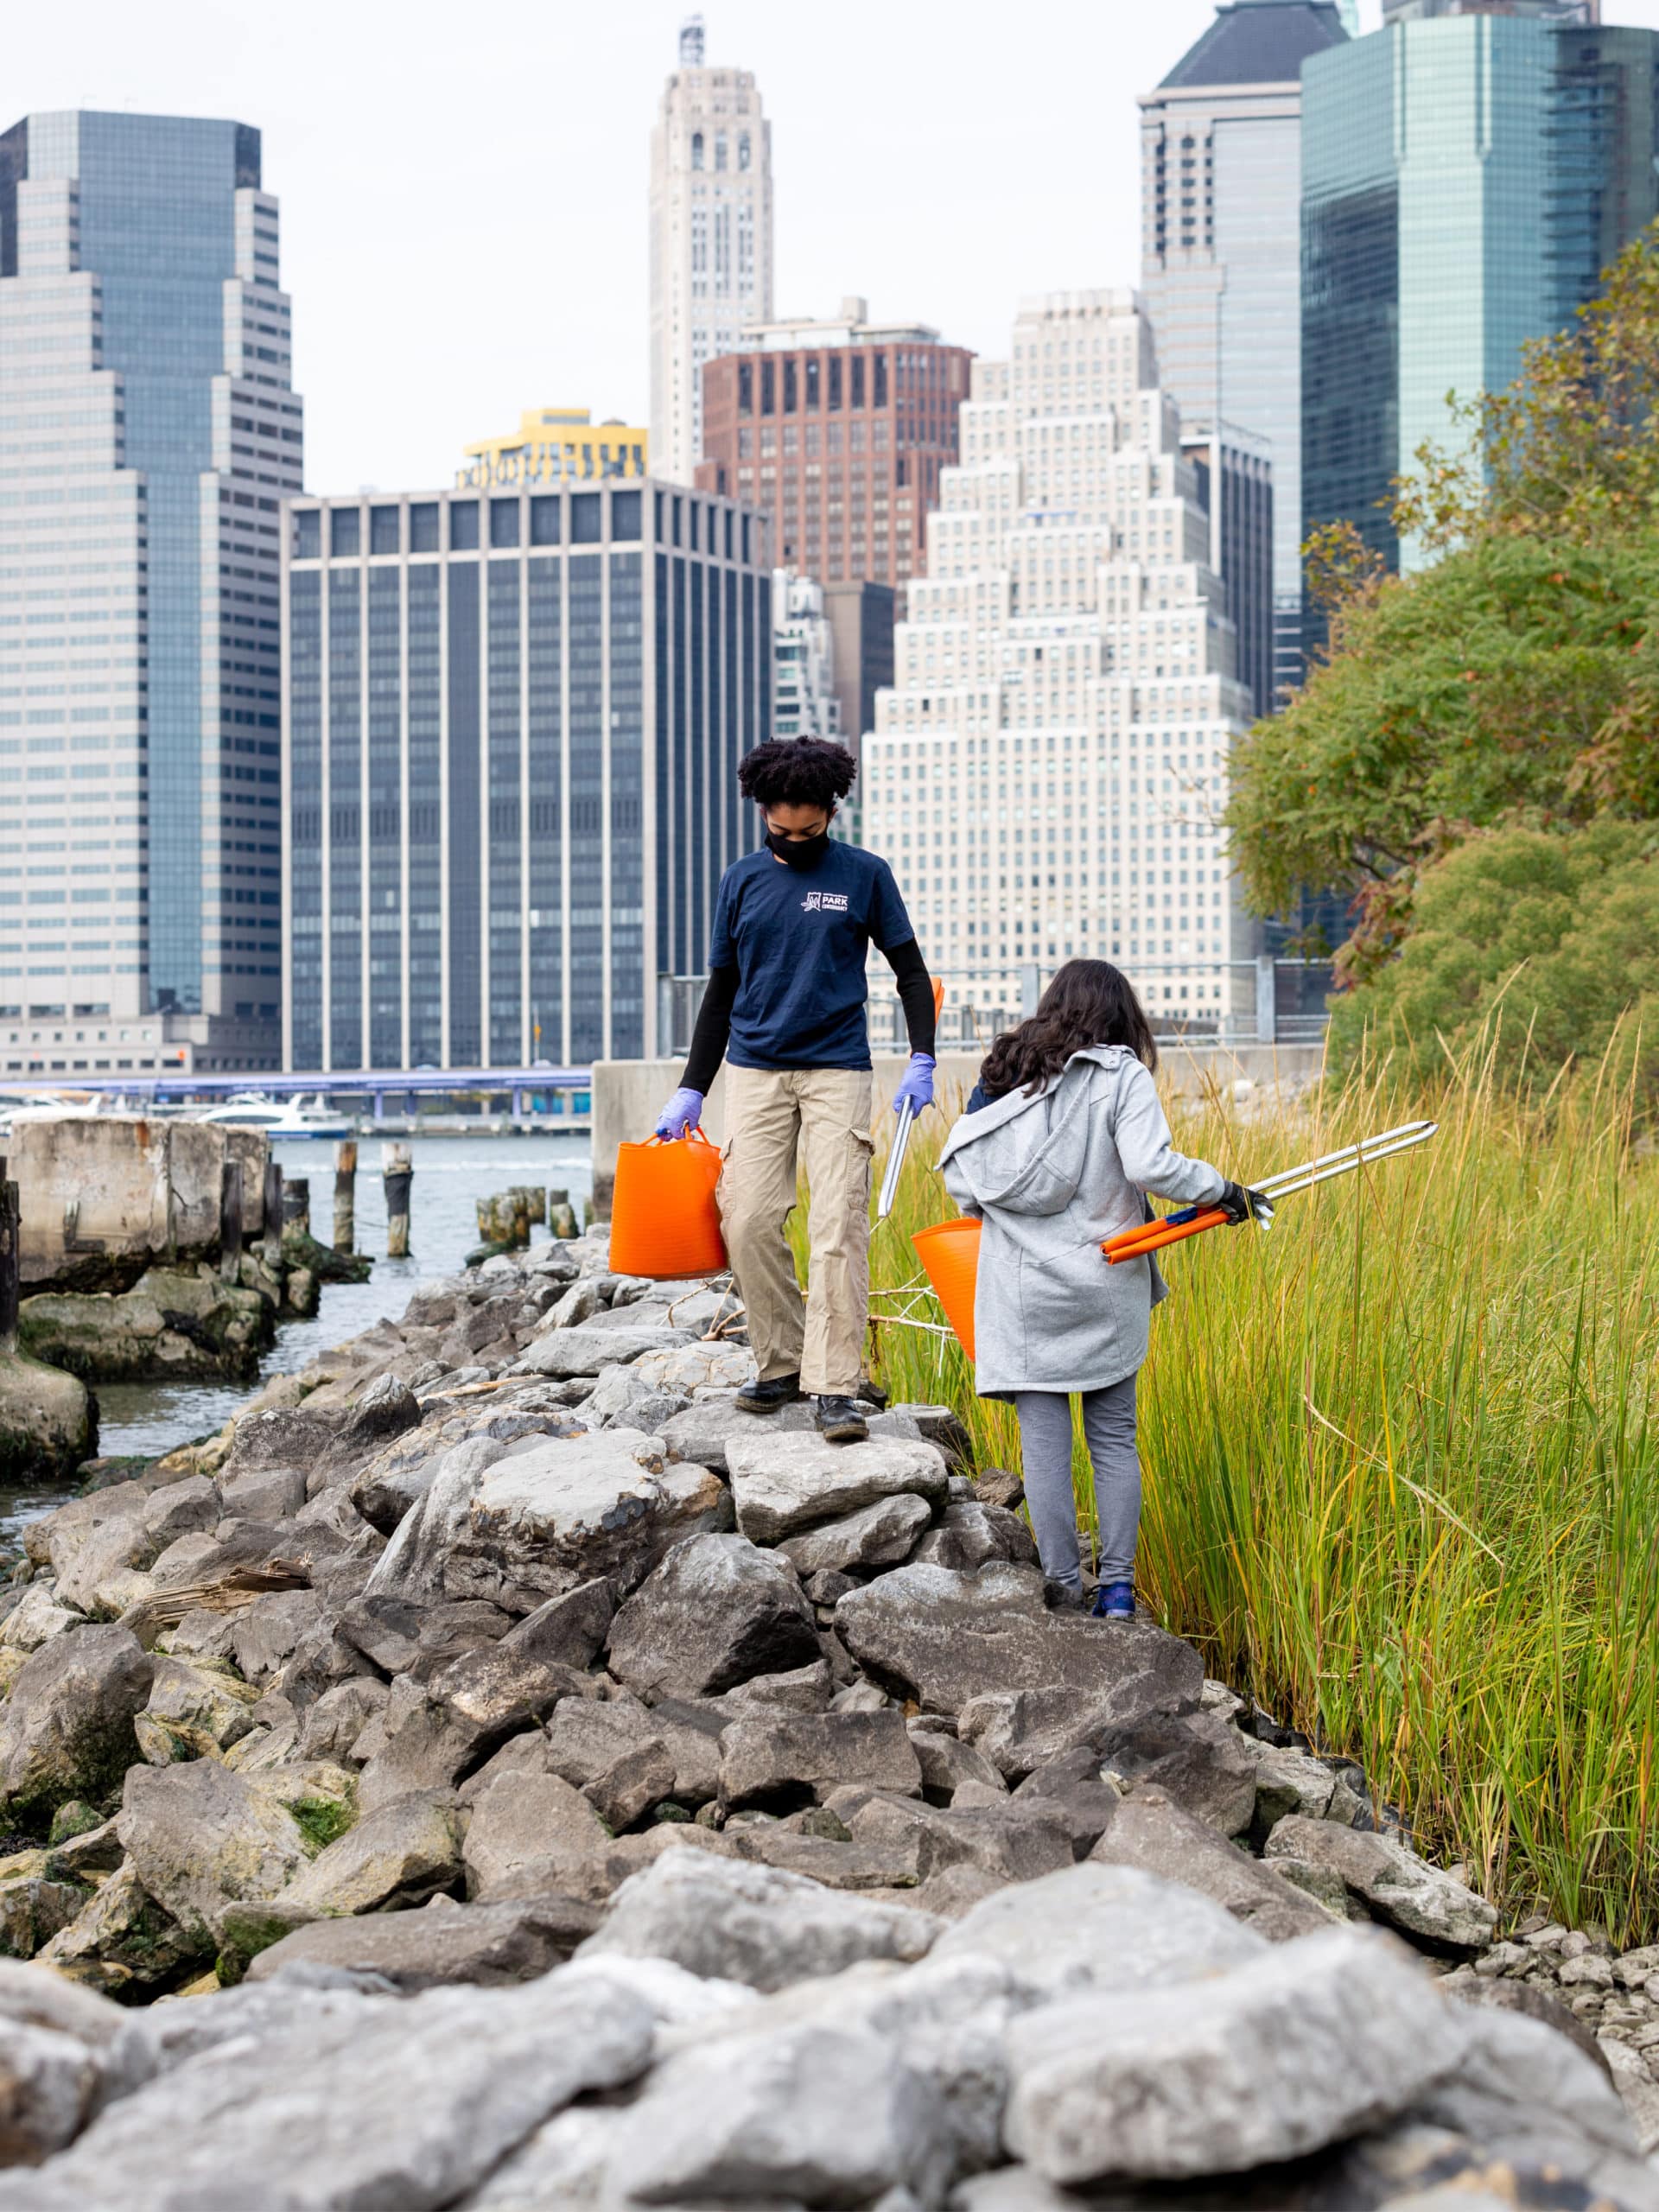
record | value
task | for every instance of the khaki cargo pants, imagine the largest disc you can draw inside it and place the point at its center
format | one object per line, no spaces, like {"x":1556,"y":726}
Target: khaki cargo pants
{"x":778,"y":1119}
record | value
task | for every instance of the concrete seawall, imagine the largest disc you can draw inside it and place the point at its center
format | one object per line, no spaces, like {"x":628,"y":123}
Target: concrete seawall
{"x":628,"y":1095}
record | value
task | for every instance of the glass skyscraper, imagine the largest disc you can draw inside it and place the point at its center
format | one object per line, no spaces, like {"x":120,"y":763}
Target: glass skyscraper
{"x":1466,"y":178}
{"x":510,"y":740}
{"x":148,"y":435}
{"x":1220,"y":199}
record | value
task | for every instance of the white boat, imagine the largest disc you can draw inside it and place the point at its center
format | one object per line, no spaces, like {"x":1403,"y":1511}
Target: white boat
{"x":277,"y":1117}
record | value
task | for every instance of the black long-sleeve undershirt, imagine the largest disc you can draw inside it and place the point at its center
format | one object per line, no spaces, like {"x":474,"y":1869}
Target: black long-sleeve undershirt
{"x":713,"y":1025}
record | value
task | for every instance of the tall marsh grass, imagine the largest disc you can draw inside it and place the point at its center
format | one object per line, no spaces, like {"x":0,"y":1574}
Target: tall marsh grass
{"x":1402,"y":1464}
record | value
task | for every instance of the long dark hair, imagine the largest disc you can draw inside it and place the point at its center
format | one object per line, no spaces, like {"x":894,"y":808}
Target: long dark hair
{"x":1089,"y":1002}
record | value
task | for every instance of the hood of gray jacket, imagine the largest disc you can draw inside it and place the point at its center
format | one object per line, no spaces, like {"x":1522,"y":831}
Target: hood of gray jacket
{"x":1026,"y":1156}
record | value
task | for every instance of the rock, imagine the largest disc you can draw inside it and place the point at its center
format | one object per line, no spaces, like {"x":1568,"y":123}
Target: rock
{"x":695,"y":1368}
{"x":33,"y":1910}
{"x":182,"y":1509}
{"x":803,"y":1689}
{"x":35,"y":1619}
{"x":1088,"y":1927}
{"x":755,"y":1924}
{"x":782,"y":1482}
{"x":1286,"y":1781}
{"x":441,"y":2085}
{"x":971,"y":1533}
{"x":711,"y":1614}
{"x":1149,"y":1831}
{"x":1533,"y":2102}
{"x":98,"y":1547}
{"x":263,"y":1493}
{"x":1197,"y":1758}
{"x":702,"y":1432}
{"x":585,"y":1351}
{"x":567,"y":1630}
{"x":947,"y":1763}
{"x":122,"y":1941}
{"x":947,"y":1639}
{"x":395,"y":1478}
{"x":1530,"y":2001}
{"x":66,"y":1729}
{"x":488,"y":1944}
{"x":195,"y":1711}
{"x":48,"y":2083}
{"x":530,"y":1833}
{"x":198,"y":1836}
{"x":50,"y":2000}
{"x":265,"y":1635}
{"x":518,"y":1529}
{"x":398,"y":1854}
{"x":47,"y":1421}
{"x":789,"y":1762}
{"x":1391,"y":1882}
{"x":1075,"y":1790}
{"x":1310,"y":2043}
{"x":438,"y":1733}
{"x":856,"y":2121}
{"x":330,"y":1728}
{"x":875,"y":1535}
{"x":595,"y":1747}
{"x":1008,"y":1842}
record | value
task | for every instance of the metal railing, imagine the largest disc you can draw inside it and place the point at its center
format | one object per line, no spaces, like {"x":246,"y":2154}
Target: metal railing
{"x":1260,"y":1002}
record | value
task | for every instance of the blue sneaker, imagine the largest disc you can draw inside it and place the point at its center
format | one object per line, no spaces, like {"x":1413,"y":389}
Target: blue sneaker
{"x":1113,"y":1601}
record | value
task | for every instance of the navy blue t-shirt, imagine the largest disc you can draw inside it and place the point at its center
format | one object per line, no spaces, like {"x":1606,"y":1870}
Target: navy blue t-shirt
{"x":798,"y":938}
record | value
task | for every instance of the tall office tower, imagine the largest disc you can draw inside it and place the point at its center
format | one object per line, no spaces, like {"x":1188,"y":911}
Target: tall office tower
{"x":556,"y":445}
{"x":1220,"y":256}
{"x":150,"y":437}
{"x":710,"y":240}
{"x":804,"y":701}
{"x":1048,"y":769}
{"x":838,"y":430}
{"x":1466,"y":178}
{"x":509,"y":741}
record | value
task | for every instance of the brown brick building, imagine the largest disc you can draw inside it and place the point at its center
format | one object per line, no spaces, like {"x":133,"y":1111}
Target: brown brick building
{"x":838,"y":430}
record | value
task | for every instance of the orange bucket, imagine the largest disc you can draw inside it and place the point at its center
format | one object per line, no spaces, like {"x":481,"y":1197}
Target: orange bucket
{"x":950,"y":1255}
{"x":664,"y":1219}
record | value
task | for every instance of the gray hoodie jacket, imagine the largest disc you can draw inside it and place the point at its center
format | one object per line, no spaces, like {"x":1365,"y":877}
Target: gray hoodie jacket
{"x":1051,"y":1178}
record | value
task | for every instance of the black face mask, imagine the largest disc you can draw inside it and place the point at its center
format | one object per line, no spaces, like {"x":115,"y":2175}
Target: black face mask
{"x":798,"y":852}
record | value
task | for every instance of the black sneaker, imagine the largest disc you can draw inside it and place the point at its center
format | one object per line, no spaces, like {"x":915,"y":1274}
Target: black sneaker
{"x":768,"y":1397}
{"x":840,"y":1421}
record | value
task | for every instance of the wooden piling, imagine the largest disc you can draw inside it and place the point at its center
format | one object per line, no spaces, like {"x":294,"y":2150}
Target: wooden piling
{"x":397,"y":1173}
{"x":346,"y":1195}
{"x":230,"y":1221}
{"x":273,"y":1244}
{"x":11,"y":1219}
{"x":296,"y":1205}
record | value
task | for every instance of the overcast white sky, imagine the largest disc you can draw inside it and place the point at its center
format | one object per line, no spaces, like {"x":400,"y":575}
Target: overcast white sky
{"x":464,"y":189}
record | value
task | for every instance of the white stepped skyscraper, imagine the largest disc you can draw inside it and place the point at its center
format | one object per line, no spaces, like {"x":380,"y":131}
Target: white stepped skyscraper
{"x":710,"y":240}
{"x":1048,"y":769}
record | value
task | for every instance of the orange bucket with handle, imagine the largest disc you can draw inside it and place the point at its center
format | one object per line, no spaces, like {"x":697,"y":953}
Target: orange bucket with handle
{"x":950,"y":1255}
{"x":664,"y":1219}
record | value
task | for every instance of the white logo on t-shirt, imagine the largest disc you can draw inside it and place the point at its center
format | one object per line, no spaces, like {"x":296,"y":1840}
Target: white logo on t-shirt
{"x":831,"y":902}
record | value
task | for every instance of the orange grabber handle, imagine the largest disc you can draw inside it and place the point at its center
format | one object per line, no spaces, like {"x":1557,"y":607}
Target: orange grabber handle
{"x":1156,"y":1235}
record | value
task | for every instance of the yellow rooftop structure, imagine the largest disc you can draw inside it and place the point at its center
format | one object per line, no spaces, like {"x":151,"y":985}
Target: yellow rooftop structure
{"x":556,"y":445}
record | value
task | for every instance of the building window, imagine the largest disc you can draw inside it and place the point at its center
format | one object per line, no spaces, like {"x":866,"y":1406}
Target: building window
{"x":743,"y":150}
{"x":768,"y":388}
{"x":834,"y":380}
{"x":308,"y":534}
{"x":382,"y":529}
{"x":344,"y":533}
{"x":424,"y":526}
{"x":544,"y":522}
{"x":625,"y":518}
{"x":463,"y":526}
{"x":504,"y":523}
{"x":879,"y":379}
{"x":856,"y":399}
{"x":696,"y":150}
{"x":586,"y":521}
{"x":789,"y":382}
{"x":745,"y":387}
{"x":810,"y":367}
{"x":720,"y":151}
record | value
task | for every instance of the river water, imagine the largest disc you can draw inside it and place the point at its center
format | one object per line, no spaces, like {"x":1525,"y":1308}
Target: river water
{"x":451,"y":1174}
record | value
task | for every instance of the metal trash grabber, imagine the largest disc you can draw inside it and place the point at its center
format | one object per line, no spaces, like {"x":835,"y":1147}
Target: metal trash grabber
{"x":901,"y":1134}
{"x":1192,"y":1221}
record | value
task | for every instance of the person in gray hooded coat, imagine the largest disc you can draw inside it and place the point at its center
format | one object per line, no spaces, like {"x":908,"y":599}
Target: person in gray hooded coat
{"x":1061,"y":1142}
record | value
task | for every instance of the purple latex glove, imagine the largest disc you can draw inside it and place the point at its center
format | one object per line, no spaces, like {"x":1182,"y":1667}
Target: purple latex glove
{"x":680,"y":1114}
{"x":915,"y":1084}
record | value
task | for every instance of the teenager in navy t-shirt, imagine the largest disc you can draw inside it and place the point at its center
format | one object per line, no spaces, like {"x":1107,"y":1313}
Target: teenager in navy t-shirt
{"x":784,"y":1008}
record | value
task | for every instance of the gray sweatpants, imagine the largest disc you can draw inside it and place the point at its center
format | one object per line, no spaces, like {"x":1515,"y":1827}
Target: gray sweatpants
{"x":1045,"y":1444}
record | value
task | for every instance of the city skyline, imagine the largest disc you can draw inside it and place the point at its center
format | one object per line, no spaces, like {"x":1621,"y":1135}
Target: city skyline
{"x":1057,"y":206}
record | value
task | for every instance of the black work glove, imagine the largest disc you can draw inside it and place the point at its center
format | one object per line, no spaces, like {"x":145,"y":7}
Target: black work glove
{"x":1240,"y":1203}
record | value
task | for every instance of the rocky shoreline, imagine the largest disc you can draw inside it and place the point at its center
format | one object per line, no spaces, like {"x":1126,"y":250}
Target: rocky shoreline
{"x":495,"y":1772}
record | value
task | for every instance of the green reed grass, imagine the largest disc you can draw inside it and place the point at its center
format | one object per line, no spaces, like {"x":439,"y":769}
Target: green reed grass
{"x":1402,"y":1464}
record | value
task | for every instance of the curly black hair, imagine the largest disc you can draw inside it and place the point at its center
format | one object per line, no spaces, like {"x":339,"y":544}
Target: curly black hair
{"x":796,"y":772}
{"x":1088,"y":1002}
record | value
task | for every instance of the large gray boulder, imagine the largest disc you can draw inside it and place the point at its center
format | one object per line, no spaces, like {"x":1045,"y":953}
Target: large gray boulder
{"x":1113,"y":1929}
{"x":784,"y":1482}
{"x":409,"y":2104}
{"x":49,"y":2084}
{"x":711,"y":1421}
{"x":400,"y":1853}
{"x":816,"y":2113}
{"x":490,"y":1945}
{"x":199,"y":1837}
{"x":435,"y":1732}
{"x":1150,"y":1831}
{"x":757,"y":1925}
{"x":947,"y":1639}
{"x":789,"y":1762}
{"x":533,"y":1832}
{"x":522,"y":1526}
{"x":1309,"y":2044}
{"x":1392,"y":1883}
{"x":875,"y":1535}
{"x":713,"y":1612}
{"x":67,"y":1730}
{"x":1197,"y":1756}
{"x":1007,"y":1842}
{"x":563,"y":1353}
{"x":972,"y":1534}
{"x":599,"y":1745}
